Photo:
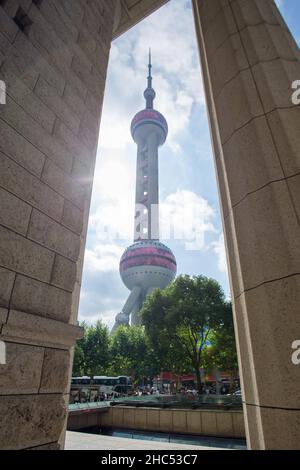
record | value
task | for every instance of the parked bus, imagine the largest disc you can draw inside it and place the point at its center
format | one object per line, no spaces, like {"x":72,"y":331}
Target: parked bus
{"x":84,"y":389}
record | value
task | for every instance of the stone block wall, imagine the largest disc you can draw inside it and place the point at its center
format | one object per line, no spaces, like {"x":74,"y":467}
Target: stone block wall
{"x":53,"y":60}
{"x":228,"y":424}
{"x":249,"y":62}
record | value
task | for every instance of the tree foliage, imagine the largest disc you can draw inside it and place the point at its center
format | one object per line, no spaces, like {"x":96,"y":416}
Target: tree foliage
{"x":92,"y":352}
{"x":182,"y":319}
{"x":186,"y":326}
{"x":131,"y":353}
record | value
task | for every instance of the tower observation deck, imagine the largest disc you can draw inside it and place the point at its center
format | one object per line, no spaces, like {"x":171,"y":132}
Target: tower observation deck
{"x":146,"y":264}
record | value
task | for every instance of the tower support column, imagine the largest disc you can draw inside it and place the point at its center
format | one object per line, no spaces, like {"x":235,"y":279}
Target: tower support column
{"x":249,"y":62}
{"x":153,"y":225}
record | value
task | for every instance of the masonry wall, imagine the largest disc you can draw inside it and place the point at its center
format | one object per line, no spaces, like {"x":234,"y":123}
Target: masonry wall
{"x":228,"y":424}
{"x":53,"y":59}
{"x":249,"y":62}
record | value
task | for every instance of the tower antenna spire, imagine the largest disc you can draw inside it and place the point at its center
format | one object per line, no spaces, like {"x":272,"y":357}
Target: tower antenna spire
{"x":150,"y":68}
{"x":149,"y":93}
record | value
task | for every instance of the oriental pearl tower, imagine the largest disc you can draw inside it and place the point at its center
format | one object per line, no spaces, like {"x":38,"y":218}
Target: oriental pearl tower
{"x":147,"y":264}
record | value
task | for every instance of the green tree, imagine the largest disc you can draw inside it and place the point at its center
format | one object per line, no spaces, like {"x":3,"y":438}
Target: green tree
{"x":78,"y":362}
{"x":131,"y":353}
{"x":92,"y":354}
{"x":181,"y":319}
{"x":222,"y":354}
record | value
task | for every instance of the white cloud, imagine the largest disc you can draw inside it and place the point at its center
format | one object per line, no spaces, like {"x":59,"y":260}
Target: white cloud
{"x":219,"y":249}
{"x":176,"y":74}
{"x":187,"y":217}
{"x":103,"y":258}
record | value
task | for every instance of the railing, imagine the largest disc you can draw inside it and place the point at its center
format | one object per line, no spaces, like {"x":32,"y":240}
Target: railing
{"x":167,"y":401}
{"x":88,"y":405}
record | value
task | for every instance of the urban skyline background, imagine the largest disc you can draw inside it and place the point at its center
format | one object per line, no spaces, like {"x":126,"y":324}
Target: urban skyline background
{"x":186,"y":169}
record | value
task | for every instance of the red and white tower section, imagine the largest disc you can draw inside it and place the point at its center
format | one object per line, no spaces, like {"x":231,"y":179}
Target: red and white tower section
{"x":147,"y":264}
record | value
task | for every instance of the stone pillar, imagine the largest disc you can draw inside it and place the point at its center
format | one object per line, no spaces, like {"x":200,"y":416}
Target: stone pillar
{"x":249,"y":61}
{"x":53,"y":60}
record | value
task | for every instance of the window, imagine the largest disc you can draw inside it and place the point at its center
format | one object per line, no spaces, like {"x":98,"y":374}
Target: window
{"x":22,"y":20}
{"x":37,"y":3}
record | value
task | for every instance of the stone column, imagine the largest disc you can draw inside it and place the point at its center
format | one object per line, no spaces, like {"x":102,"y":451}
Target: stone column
{"x":153,"y":199}
{"x":249,"y":61}
{"x":53,"y":59}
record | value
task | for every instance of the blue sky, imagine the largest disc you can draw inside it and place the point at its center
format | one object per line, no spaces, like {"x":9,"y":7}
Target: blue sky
{"x":186,"y":168}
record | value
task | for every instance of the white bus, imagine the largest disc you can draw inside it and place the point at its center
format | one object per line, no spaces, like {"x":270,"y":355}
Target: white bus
{"x":85,"y":388}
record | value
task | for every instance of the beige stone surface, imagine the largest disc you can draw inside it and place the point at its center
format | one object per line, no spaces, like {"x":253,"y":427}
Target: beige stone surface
{"x":285,"y":127}
{"x":37,"y":420}
{"x":6,"y":284}
{"x":14,"y":212}
{"x":128,"y":418}
{"x":29,"y":101}
{"x":224,"y":424}
{"x":179,"y":421}
{"x":53,"y":235}
{"x":54,"y":377}
{"x":8,"y":27}
{"x":273,"y":80}
{"x":153,"y":419}
{"x":166,"y":420}
{"x":279,"y":428}
{"x":250,"y":160}
{"x":209,"y":423}
{"x":255,"y":132}
{"x":71,"y":142}
{"x":117,"y":416}
{"x":240,"y":95}
{"x":266,"y":231}
{"x":219,"y":26}
{"x":48,"y":136}
{"x":28,"y":57}
{"x":24,"y":256}
{"x":253,"y":12}
{"x":276,"y":377}
{"x":20,"y":150}
{"x":23,"y":123}
{"x":12,"y":6}
{"x":194,"y":424}
{"x":3,"y":315}
{"x":41,"y":299}
{"x":29,"y":188}
{"x":49,"y":96}
{"x":224,"y":65}
{"x":201,"y":422}
{"x":238,"y":424}
{"x":63,"y":273}
{"x":105,"y":419}
{"x":63,"y":184}
{"x":72,"y":217}
{"x":265,"y":42}
{"x":294,"y":188}
{"x":140,"y":418}
{"x":22,"y":372}
{"x":26,"y":328}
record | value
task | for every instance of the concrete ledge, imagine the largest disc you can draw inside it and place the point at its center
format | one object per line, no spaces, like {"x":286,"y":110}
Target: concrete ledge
{"x":228,"y":424}
{"x":34,"y":329}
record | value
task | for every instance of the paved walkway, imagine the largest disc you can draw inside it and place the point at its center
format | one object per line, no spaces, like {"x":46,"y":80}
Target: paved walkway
{"x":83,"y":441}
